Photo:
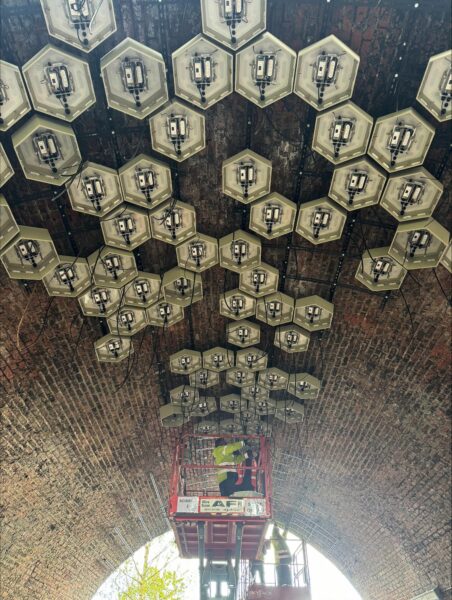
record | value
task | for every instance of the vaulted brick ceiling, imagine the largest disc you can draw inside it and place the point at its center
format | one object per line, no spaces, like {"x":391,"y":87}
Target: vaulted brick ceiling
{"x":365,"y":477}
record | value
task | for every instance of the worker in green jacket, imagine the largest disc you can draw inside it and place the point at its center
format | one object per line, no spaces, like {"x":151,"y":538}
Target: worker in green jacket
{"x":283,"y":558}
{"x":228,"y":457}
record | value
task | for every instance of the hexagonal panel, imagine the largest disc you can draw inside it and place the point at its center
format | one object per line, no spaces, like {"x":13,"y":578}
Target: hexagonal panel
{"x":304,"y":386}
{"x":320,"y":221}
{"x":96,"y":191}
{"x":218,"y":359}
{"x":260,"y":427}
{"x":262,"y":407}
{"x":99,"y":301}
{"x":14,"y":102}
{"x":70,"y":278}
{"x":206,"y":427}
{"x":185,"y":362}
{"x":326,"y":73}
{"x":237,"y":305}
{"x":292,"y":338}
{"x":239,"y":251}
{"x":233,"y":22}
{"x":205,"y":406}
{"x":313,"y":313}
{"x":59,"y":83}
{"x":231,"y":427}
{"x":273,"y":216}
{"x":9,"y":229}
{"x":273,"y":379}
{"x":342,"y":133}
{"x":145,"y":290}
{"x":111,"y":348}
{"x":246,"y":176}
{"x":379,"y":271}
{"x":253,"y":359}
{"x":357,"y":184}
{"x":145,"y":181}
{"x":178,"y":131}
{"x":47,"y":150}
{"x":290,"y":412}
{"x":203,"y":379}
{"x":275,"y":309}
{"x":30,"y":254}
{"x":6,"y":170}
{"x":231,"y":403}
{"x":413,"y":194}
{"x":239,"y":376}
{"x":243,"y":333}
{"x":172,"y":416}
{"x":173,"y":222}
{"x":264,"y":71}
{"x":182,"y":287}
{"x":126,"y":227}
{"x":164,"y":314}
{"x":84,"y":26}
{"x":419,"y":244}
{"x":134,"y":78}
{"x":446,"y":259}
{"x":401,"y":140}
{"x":198,"y":253}
{"x":247,"y":418}
{"x":254,"y":393}
{"x":435,"y":91}
{"x":129,"y":320}
{"x":259,"y":281}
{"x":184,"y":395}
{"x":202,"y":72}
{"x":112,"y":267}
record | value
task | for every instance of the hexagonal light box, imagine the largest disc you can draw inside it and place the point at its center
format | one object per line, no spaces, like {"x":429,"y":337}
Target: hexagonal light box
{"x":126,"y":227}
{"x":14,"y":102}
{"x":178,"y":131}
{"x":240,"y":376}
{"x":253,"y":359}
{"x":246,"y":176}
{"x":292,"y":338}
{"x":313,"y":313}
{"x":412,"y":194}
{"x":342,"y":133}
{"x":379,"y":271}
{"x":172,"y":415}
{"x":243,"y":333}
{"x":112,"y":348}
{"x":218,"y":359}
{"x":9,"y":229}
{"x":259,"y":281}
{"x":112,"y":267}
{"x":357,"y":184}
{"x":264,"y":71}
{"x":401,"y":140}
{"x":185,"y":362}
{"x":129,"y":320}
{"x":231,"y":403}
{"x":47,"y":150}
{"x":203,"y":379}
{"x":233,"y":22}
{"x":239,"y":251}
{"x":273,"y":379}
{"x":254,"y":393}
{"x":435,"y":91}
{"x":320,"y":221}
{"x":59,"y":83}
{"x":173,"y":222}
{"x":205,"y":406}
{"x":145,"y":290}
{"x":99,"y":301}
{"x":419,"y":244}
{"x":84,"y":25}
{"x":96,"y":191}
{"x":6,"y":170}
{"x":290,"y":412}
{"x":198,"y":253}
{"x":262,"y":407}
{"x":237,"y":305}
{"x":164,"y":314}
{"x":182,"y":287}
{"x":70,"y":278}
{"x":184,"y":395}
{"x":446,"y":259}
{"x":145,"y":181}
{"x":202,"y":72}
{"x":134,"y":78}
{"x":326,"y":73}
{"x":304,"y":386}
{"x":231,"y":427}
{"x":30,"y":254}
{"x":275,"y":309}
{"x":273,"y":216}
{"x":206,"y":427}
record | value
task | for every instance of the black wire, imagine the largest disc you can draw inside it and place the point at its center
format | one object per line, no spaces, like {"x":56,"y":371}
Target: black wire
{"x":408,"y":308}
{"x":442,"y":289}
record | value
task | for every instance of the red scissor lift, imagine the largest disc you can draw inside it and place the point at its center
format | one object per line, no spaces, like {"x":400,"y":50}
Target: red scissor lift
{"x":220,"y":531}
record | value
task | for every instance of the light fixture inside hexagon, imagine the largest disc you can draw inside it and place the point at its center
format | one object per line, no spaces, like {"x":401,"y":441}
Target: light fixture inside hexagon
{"x":292,"y":338}
{"x":243,"y":333}
{"x":320,"y":221}
{"x":47,"y":150}
{"x":357,"y":184}
{"x":233,"y":22}
{"x":145,"y":181}
{"x":70,"y":278}
{"x":401,"y":140}
{"x":237,"y":305}
{"x":96,"y":191}
{"x":304,"y":386}
{"x":185,"y":362}
{"x":254,"y":392}
{"x":172,"y":415}
{"x":99,"y":301}
{"x":14,"y":102}
{"x":246,"y":176}
{"x":126,"y":227}
{"x":419,"y":244}
{"x":342,"y":133}
{"x":326,"y":73}
{"x":173,"y":222}
{"x":178,"y":131}
{"x":273,"y":216}
{"x":218,"y":359}
{"x":145,"y":290}
{"x":134,"y":78}
{"x":435,"y":91}
{"x":112,"y":267}
{"x":239,"y":251}
{"x":203,"y":379}
{"x":275,"y":309}
{"x":231,"y":427}
{"x":253,"y":359}
{"x":112,"y":348}
{"x":182,"y":287}
{"x":231,"y":403}
{"x":6,"y":170}
{"x":313,"y":313}
{"x":240,"y":376}
{"x":128,"y":320}
{"x":165,"y":314}
{"x":59,"y":83}
{"x":30,"y":254}
{"x":184,"y":395}
{"x":84,"y":25}
{"x":264,"y":71}
{"x":202,"y":72}
{"x":9,"y":229}
{"x":290,"y":412}
{"x":198,"y":253}
{"x":205,"y":406}
{"x":262,"y":407}
{"x":206,"y":427}
{"x":412,"y":194}
{"x":379,"y":271}
{"x":273,"y":379}
{"x":259,"y":281}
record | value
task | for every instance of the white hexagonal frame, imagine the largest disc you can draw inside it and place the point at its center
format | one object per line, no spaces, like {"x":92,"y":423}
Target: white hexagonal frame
{"x":357,"y":184}
{"x":30,"y":254}
{"x":70,"y":278}
{"x":273,"y":216}
{"x":14,"y":103}
{"x":173,"y":222}
{"x":435,"y":93}
{"x":378,"y":271}
{"x":239,"y":250}
{"x":6,"y":170}
{"x":145,"y":181}
{"x":320,"y":221}
{"x":259,"y":281}
{"x":419,"y":244}
{"x":246,"y":176}
{"x":126,"y":227}
{"x":243,"y":333}
{"x":96,"y":191}
{"x":198,"y":253}
{"x":237,"y":305}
